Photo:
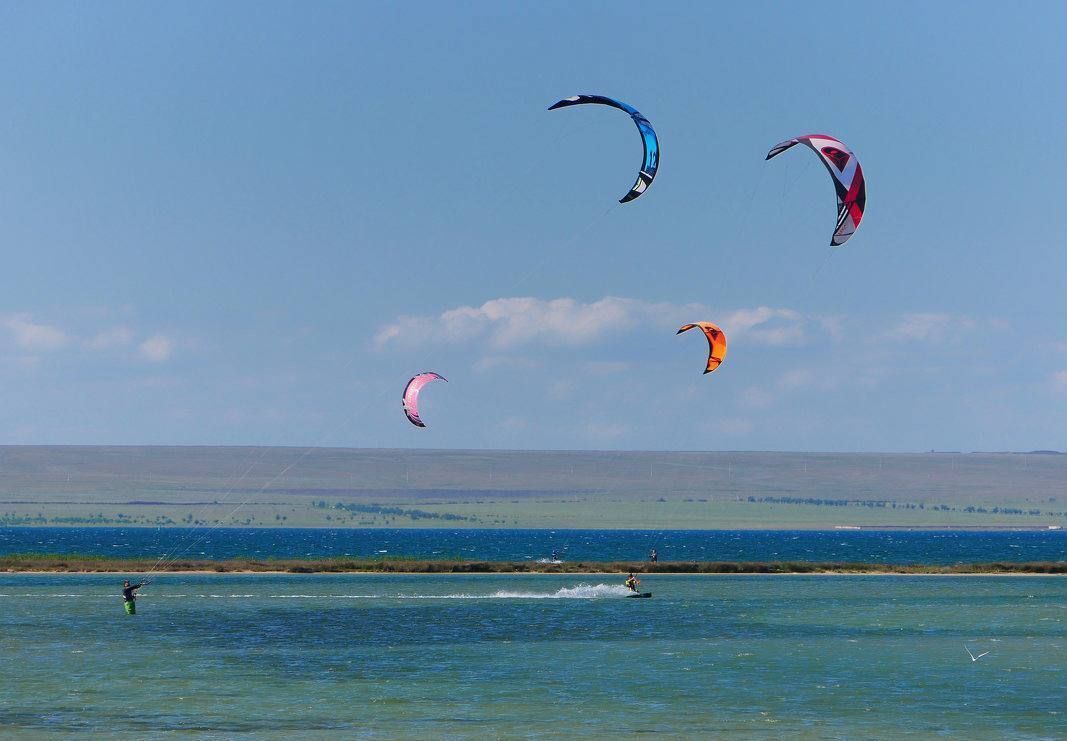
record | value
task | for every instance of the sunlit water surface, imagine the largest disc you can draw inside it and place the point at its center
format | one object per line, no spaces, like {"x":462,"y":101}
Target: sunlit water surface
{"x":543,"y":656}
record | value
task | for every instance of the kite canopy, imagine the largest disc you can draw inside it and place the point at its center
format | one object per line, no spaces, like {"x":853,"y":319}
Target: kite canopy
{"x":716,"y":342}
{"x":650,"y":163}
{"x":847,"y":175}
{"x":411,"y":395}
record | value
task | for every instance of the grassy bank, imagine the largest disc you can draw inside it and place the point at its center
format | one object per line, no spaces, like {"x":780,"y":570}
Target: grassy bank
{"x":60,"y":563}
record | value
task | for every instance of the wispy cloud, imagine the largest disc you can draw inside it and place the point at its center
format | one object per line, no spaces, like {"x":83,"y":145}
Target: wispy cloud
{"x":930,"y":326}
{"x":156,"y":349}
{"x":110,"y":338}
{"x":32,"y":335}
{"x":506,"y":323}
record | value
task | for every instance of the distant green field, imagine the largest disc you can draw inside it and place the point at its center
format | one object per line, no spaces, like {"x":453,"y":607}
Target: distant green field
{"x":268,"y":487}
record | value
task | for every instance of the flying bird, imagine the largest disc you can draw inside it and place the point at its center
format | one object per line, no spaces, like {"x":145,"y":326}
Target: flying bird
{"x":973,"y":657}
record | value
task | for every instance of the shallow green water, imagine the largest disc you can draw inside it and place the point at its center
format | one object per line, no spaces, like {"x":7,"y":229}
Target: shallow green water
{"x":379,"y":656}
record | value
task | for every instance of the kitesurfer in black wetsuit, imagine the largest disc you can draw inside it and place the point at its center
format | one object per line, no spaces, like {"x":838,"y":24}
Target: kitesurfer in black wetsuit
{"x":128,"y":589}
{"x":128,"y":596}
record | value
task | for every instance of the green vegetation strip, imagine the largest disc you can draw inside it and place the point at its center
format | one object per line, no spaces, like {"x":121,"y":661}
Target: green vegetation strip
{"x":17,"y":562}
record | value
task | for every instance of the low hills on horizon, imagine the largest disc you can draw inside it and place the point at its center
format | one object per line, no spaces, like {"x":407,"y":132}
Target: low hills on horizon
{"x":290,"y":486}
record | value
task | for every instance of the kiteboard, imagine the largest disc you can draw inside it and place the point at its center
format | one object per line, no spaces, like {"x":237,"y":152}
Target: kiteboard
{"x":131,"y":607}
{"x":639,"y":595}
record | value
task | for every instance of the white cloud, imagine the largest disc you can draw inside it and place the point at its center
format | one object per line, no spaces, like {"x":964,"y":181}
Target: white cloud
{"x":510,"y":322}
{"x":156,"y":348}
{"x":792,"y":334}
{"x":32,"y":335}
{"x":929,"y":326}
{"x":742,"y":320}
{"x":110,"y":338}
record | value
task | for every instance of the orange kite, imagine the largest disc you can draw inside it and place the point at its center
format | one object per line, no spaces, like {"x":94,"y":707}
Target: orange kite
{"x":716,"y":342}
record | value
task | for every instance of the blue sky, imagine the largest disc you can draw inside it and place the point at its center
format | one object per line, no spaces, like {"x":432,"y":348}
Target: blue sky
{"x":250,"y":223}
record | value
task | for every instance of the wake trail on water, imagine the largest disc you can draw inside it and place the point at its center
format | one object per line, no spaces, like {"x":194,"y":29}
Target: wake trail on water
{"x":581,"y":591}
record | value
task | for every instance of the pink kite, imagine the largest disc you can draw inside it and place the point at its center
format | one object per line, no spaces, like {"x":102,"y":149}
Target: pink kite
{"x":411,"y":395}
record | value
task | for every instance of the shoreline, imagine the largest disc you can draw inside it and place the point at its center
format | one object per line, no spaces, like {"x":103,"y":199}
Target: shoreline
{"x":452,"y":526}
{"x":75,"y":564}
{"x":969,"y":574}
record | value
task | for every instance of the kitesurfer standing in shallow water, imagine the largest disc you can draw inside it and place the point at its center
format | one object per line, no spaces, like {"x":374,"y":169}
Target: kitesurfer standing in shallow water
{"x":128,"y":596}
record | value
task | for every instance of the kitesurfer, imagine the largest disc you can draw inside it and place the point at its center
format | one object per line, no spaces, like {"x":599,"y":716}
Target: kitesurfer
{"x":632,"y":582}
{"x":652,"y":556}
{"x":128,"y":595}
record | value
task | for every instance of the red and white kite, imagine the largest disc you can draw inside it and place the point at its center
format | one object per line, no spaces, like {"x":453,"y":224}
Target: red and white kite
{"x":847,"y":175}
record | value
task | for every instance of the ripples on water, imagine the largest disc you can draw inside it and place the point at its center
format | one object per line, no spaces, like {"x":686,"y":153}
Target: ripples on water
{"x":898,"y":547}
{"x":505,"y":656}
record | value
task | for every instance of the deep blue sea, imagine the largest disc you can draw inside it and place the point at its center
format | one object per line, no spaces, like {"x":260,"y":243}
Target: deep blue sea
{"x":890,"y":547}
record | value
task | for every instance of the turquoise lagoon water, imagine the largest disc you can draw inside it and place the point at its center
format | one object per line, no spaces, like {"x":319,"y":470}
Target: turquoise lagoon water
{"x":537,"y":656}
